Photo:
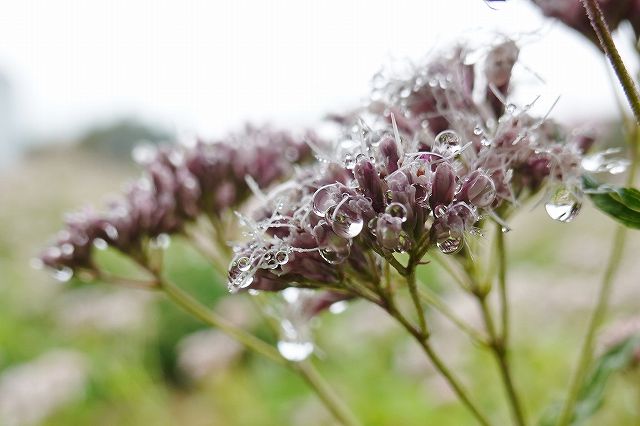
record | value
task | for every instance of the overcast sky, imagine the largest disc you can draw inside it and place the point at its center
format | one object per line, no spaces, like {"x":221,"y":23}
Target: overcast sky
{"x":207,"y":66}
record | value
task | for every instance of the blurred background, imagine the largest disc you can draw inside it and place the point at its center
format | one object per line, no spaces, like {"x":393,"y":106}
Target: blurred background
{"x":81,"y":83}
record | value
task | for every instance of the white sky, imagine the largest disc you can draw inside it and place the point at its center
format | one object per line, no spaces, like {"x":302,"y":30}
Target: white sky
{"x":207,"y":66}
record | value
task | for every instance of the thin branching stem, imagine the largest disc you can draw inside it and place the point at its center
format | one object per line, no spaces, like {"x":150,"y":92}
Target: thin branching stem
{"x":423,"y":340}
{"x":431,"y":299}
{"x":500,"y":351}
{"x":306,"y":370}
{"x":502,"y":283}
{"x":599,"y":24}
{"x":598,"y":315}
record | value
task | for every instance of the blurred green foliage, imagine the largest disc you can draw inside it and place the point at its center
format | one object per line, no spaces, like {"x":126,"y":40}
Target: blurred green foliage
{"x":134,"y":380}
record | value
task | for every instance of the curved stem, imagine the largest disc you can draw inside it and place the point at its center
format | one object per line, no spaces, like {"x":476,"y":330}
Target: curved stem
{"x":305,"y":369}
{"x":601,"y":29}
{"x":422,"y":339}
{"x":201,"y":312}
{"x":597,"y":317}
{"x":499,"y":349}
{"x":432,"y":300}
{"x":333,"y":403}
{"x":415,"y":297}
{"x":502,"y":283}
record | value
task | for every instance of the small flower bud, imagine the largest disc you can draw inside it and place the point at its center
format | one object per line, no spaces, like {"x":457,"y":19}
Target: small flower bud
{"x":443,"y":186}
{"x":478,"y":189}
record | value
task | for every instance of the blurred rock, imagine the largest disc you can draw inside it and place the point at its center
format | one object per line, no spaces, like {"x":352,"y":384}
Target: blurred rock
{"x":32,"y":391}
{"x":101,"y":309}
{"x":206,"y":352}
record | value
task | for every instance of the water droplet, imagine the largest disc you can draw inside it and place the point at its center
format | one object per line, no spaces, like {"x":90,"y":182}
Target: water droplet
{"x":295,"y":350}
{"x":450,"y":244}
{"x":448,"y":137}
{"x":162,"y":241}
{"x":290,"y":294}
{"x":338,"y":307}
{"x":563,"y":205}
{"x":485,"y":142}
{"x":345,"y":222}
{"x":511,"y":108}
{"x":323,"y":199}
{"x":242,"y":281}
{"x":397,"y":210}
{"x":36,"y":263}
{"x":602,"y":162}
{"x":111,"y":231}
{"x":349,"y":161}
{"x":144,"y":154}
{"x":282,"y":257}
{"x":63,"y":274}
{"x":243,"y":263}
{"x":478,"y":130}
{"x":439,"y":211}
{"x":505,"y":229}
{"x":372,"y":225}
{"x":67,"y":249}
{"x":405,"y":92}
{"x":333,"y":257}
{"x":100,"y":244}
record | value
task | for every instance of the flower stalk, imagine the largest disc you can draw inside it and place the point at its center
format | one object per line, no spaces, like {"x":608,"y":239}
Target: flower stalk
{"x":305,"y":369}
{"x":599,"y":313}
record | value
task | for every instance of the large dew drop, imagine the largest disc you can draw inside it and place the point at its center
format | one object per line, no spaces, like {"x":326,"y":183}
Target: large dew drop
{"x":323,"y":199}
{"x":450,"y":244}
{"x":63,"y":274}
{"x":334,"y":257}
{"x":292,"y":344}
{"x":294,"y":350}
{"x":448,"y":142}
{"x":345,"y":222}
{"x":563,"y":205}
{"x":397,"y":210}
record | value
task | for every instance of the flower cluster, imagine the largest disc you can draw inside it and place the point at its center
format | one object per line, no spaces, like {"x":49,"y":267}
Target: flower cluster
{"x":428,"y":158}
{"x":179,"y":184}
{"x":572,"y":14}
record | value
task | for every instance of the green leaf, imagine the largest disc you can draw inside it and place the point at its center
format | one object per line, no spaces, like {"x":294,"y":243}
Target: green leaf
{"x":623,"y":204}
{"x":592,"y":393}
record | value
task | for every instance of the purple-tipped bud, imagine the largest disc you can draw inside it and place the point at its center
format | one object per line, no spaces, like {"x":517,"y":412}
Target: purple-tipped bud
{"x":389,"y":233}
{"x":478,"y":189}
{"x":443,"y":186}
{"x":370,"y":182}
{"x":498,"y":67}
{"x":389,"y":152}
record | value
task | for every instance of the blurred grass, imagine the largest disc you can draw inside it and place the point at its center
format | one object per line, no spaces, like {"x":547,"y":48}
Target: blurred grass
{"x":133,"y":378}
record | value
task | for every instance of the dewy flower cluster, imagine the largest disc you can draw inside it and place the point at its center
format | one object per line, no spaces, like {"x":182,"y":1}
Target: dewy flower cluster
{"x":431,"y":156}
{"x":179,"y":184}
{"x":571,"y":13}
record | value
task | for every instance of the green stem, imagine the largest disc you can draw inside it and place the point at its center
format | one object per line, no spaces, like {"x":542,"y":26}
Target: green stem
{"x":499,"y":349}
{"x":601,"y":29}
{"x":305,"y":369}
{"x":333,"y":403}
{"x":432,"y":299}
{"x":415,"y":297}
{"x":597,"y":317}
{"x":502,"y":283}
{"x":422,"y":339}
{"x":201,"y":312}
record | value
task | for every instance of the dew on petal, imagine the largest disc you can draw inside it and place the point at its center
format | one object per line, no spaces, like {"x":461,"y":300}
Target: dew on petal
{"x":63,"y":274}
{"x":563,"y":205}
{"x":397,"y":210}
{"x":450,"y":244}
{"x":323,"y":199}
